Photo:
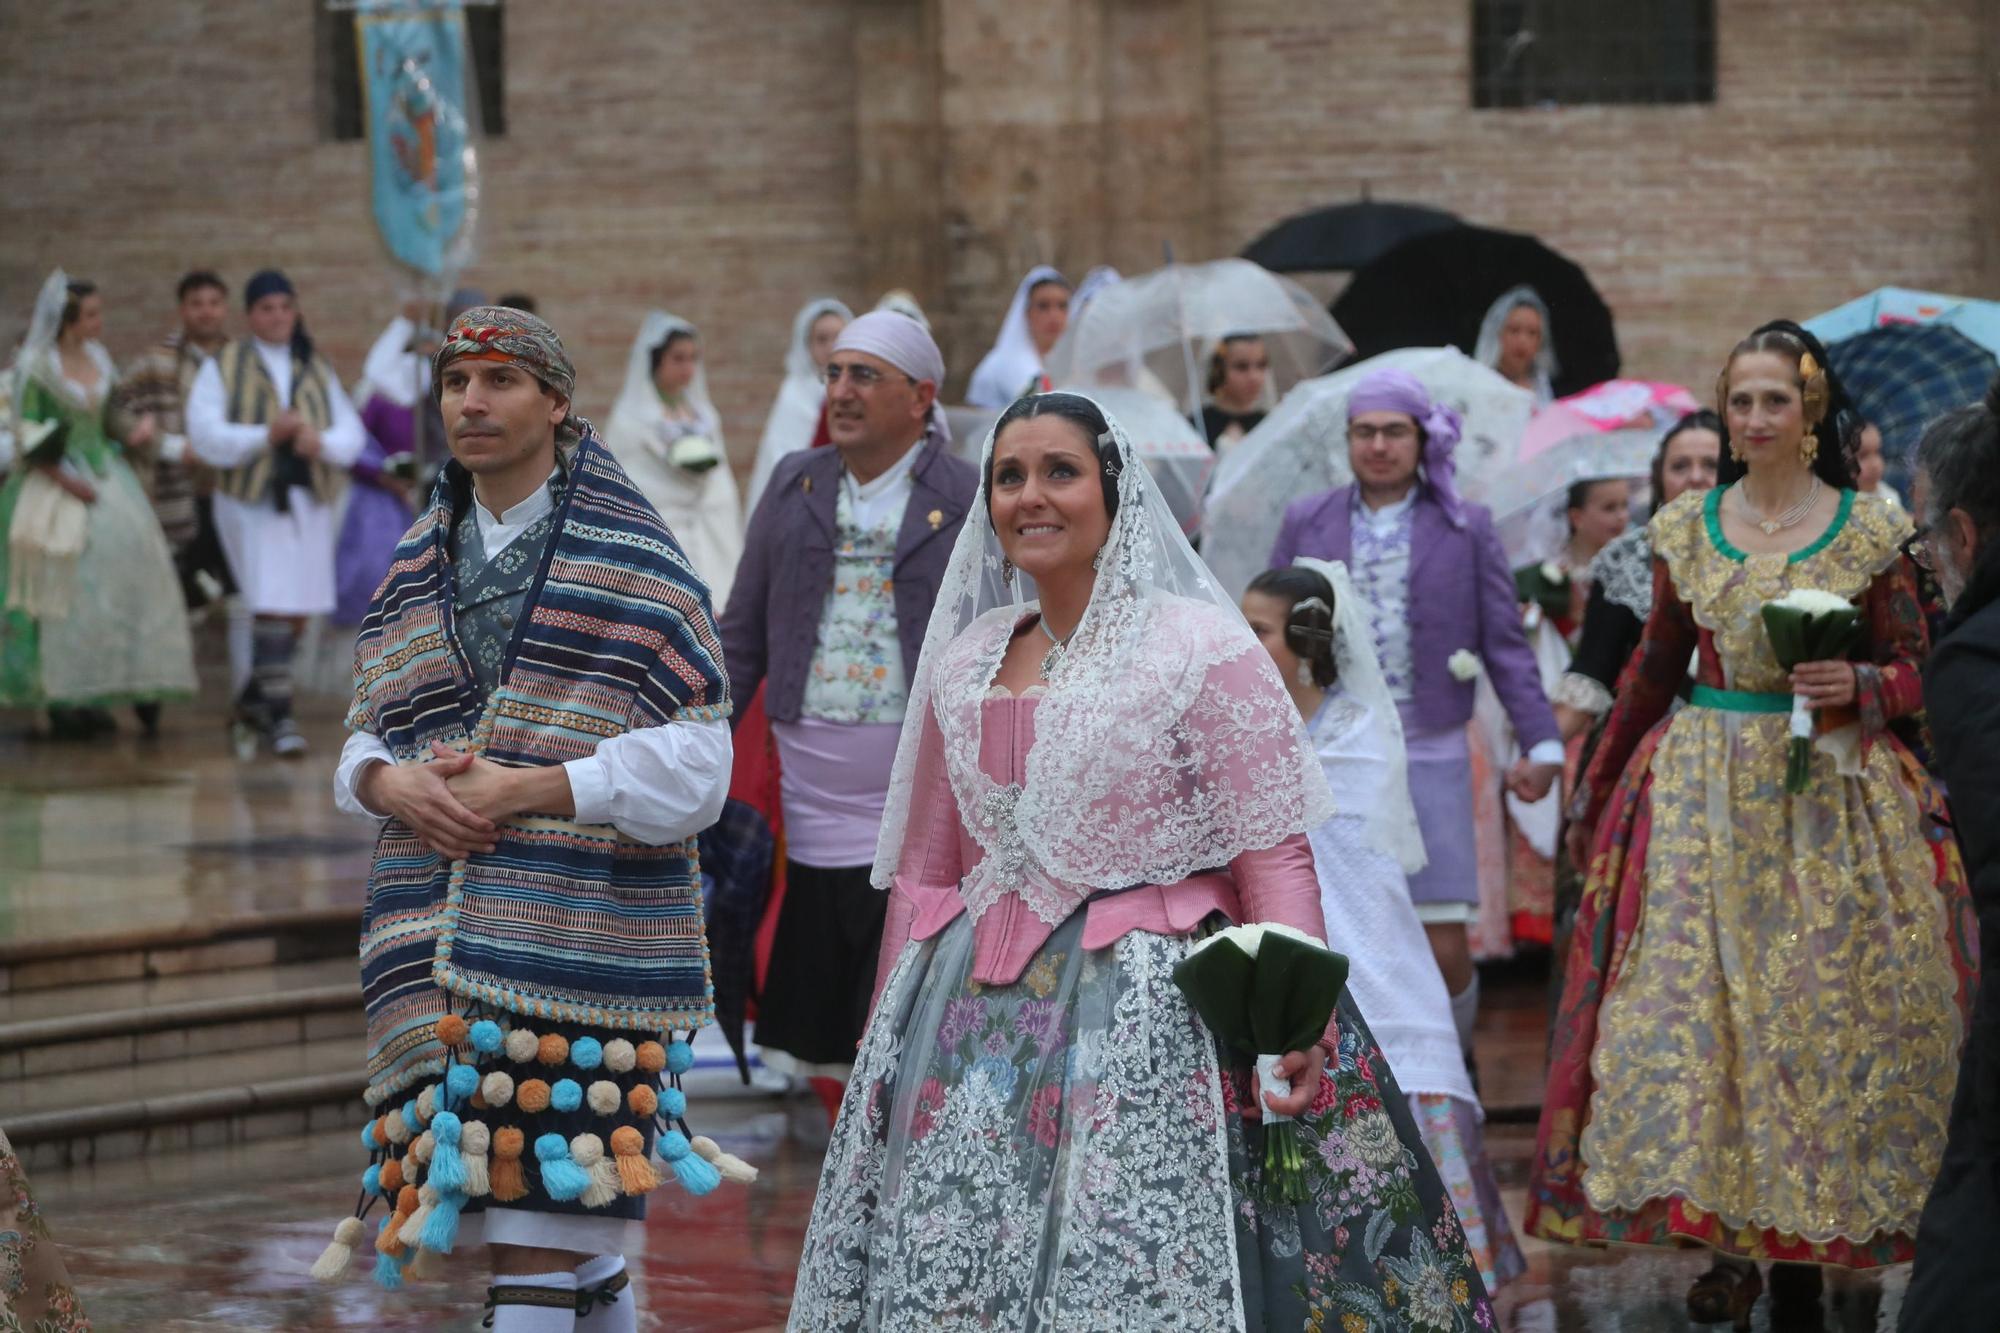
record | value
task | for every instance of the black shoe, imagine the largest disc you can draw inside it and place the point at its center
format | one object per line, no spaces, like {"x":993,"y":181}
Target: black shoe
{"x":1796,"y":1291}
{"x":149,"y":719}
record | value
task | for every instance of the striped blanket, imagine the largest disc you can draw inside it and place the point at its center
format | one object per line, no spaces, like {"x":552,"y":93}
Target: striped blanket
{"x":563,"y":921}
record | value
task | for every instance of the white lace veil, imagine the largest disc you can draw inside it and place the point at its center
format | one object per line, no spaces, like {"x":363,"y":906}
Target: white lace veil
{"x":639,"y":416}
{"x":1392,"y":827}
{"x":1006,"y":370}
{"x":799,"y":363}
{"x":1165,"y":745}
{"x":794,"y":414}
{"x":38,"y":348}
{"x":1486,"y":351}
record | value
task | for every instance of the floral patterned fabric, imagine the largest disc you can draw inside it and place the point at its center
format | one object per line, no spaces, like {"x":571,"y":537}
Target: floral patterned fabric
{"x":1068,"y":1152}
{"x":35,"y":1294}
{"x":857,"y":671}
{"x":493,"y":592}
{"x":1381,"y":569}
{"x":1765,"y":994}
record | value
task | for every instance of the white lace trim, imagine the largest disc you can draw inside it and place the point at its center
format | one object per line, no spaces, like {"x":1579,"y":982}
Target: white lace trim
{"x":1623,"y":571}
{"x":1578,"y":691}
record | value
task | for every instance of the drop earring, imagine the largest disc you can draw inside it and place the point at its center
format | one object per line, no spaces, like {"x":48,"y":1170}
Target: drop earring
{"x":1006,"y":571}
{"x":1809,"y":448}
{"x":1305,"y":672}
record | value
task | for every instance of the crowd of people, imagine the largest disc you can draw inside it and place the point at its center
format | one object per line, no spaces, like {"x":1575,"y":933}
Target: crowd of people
{"x":984,"y":749}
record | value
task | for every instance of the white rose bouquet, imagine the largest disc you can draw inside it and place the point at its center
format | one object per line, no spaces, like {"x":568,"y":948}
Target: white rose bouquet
{"x":1807,"y":625}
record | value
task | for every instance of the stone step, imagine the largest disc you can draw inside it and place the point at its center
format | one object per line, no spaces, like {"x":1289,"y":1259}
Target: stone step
{"x":101,"y":996}
{"x":101,"y":1038}
{"x":262,"y":939}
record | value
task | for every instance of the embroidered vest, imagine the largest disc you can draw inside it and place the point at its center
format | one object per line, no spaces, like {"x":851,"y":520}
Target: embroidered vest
{"x":493,"y":592}
{"x":563,"y":921}
{"x":252,"y":400}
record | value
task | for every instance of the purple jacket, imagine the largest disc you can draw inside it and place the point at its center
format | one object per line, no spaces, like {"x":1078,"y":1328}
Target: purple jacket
{"x":1461,"y":596}
{"x":771,"y":626}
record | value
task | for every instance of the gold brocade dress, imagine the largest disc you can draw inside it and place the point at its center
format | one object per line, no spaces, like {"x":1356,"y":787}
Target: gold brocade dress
{"x":1765,"y":995}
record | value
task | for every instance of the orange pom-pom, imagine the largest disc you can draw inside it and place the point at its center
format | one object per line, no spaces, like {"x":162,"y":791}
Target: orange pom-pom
{"x":652,"y":1056}
{"x":509,"y":1143}
{"x":453,"y":1030}
{"x":635,"y":1174}
{"x":477,"y":1101}
{"x":407,"y":1201}
{"x":643,"y":1101}
{"x":392,"y":1176}
{"x":532,"y":1096}
{"x":505,"y":1175}
{"x":552,"y":1050}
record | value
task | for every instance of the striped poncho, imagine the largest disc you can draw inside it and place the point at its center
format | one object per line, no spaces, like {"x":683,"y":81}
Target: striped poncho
{"x":563,"y":920}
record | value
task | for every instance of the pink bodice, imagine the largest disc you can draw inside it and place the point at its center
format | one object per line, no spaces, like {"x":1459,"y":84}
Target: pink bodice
{"x":1276,"y":884}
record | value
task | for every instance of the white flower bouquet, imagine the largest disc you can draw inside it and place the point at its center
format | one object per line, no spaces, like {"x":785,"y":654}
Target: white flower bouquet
{"x":1807,"y":625}
{"x":1463,"y":665}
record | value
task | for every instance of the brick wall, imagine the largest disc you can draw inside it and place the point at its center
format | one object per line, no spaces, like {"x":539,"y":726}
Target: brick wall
{"x":711,"y":158}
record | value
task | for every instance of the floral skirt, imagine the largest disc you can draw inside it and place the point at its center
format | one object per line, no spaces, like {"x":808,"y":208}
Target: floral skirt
{"x":1762,"y":1007}
{"x":1068,"y":1152}
{"x":35,"y":1292}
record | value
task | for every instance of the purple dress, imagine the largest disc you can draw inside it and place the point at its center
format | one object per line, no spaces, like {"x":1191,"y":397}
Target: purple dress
{"x":376,"y":517}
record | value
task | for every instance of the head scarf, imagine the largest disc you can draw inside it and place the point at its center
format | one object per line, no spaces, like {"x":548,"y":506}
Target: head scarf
{"x":502,"y":333}
{"x":1486,"y":351}
{"x":799,"y":362}
{"x":1013,"y":365}
{"x":266,"y":282}
{"x":1392,"y":390}
{"x":902,"y":303}
{"x":904,"y":344}
{"x":796,"y":413}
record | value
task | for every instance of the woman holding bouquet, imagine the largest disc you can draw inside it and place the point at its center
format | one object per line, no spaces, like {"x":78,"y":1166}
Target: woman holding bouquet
{"x":1764,"y":998}
{"x":1100,"y":767}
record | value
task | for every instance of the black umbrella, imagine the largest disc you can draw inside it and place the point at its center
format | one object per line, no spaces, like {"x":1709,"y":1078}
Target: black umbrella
{"x":1435,"y":289}
{"x":1344,"y":237}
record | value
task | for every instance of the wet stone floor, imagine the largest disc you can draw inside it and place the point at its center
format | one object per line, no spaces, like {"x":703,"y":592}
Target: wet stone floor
{"x":123,"y":834}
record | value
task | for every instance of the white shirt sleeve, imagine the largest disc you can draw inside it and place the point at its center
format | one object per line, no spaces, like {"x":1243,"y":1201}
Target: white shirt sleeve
{"x":658,"y":784}
{"x":1546,"y":752}
{"x":216,"y":440}
{"x":362,"y":749}
{"x":344,"y":439}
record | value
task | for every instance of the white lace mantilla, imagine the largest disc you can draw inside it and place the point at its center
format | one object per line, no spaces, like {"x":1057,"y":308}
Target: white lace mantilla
{"x":1624,"y":571}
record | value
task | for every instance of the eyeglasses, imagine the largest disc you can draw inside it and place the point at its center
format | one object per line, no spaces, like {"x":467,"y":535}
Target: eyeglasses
{"x":861,"y":377}
{"x":1396,"y":432}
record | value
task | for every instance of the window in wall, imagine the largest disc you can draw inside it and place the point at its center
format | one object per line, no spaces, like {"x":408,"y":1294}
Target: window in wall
{"x":1577,"y":52}
{"x":339,"y":69}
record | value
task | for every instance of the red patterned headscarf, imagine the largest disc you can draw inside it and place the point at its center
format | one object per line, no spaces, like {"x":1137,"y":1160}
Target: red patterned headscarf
{"x":502,"y":333}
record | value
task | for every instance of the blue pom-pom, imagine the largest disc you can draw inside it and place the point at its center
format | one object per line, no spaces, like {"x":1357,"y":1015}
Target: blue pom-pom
{"x":586,"y":1052}
{"x":674,"y":1102}
{"x":388,"y":1273}
{"x":487,"y":1036}
{"x":410,"y":1117}
{"x":674,"y":1145}
{"x":368,"y":1139}
{"x":561,"y":1177}
{"x":371,"y":1180}
{"x":696,"y":1175}
{"x":461,"y":1081}
{"x":441,"y":1227}
{"x":680,"y":1057}
{"x":447,"y":1169}
{"x":445,"y":1129}
{"x":566,"y":1095}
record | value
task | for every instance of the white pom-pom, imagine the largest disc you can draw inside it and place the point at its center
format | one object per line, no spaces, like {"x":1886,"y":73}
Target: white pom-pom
{"x":603,"y":1097}
{"x":620,"y":1055}
{"x":339,"y":1253}
{"x":394,"y":1127}
{"x":498,"y":1088}
{"x":728,"y":1165}
{"x":412,"y":1232}
{"x":587,"y":1151}
{"x":423,"y":1147}
{"x":427,"y":1104}
{"x":522,"y":1045}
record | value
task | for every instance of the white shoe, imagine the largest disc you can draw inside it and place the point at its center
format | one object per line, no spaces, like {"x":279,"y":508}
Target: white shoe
{"x":286,"y":740}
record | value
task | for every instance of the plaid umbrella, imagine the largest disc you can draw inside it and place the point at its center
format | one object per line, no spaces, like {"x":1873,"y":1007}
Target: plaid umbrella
{"x":1904,"y":376}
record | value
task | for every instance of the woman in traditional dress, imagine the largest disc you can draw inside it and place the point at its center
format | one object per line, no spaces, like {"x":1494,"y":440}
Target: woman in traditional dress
{"x":1239,"y":380}
{"x":1515,"y":340}
{"x":667,"y":435}
{"x":796,"y":414}
{"x":1316,"y":630}
{"x":93,"y":613}
{"x":1035,"y":318}
{"x":1765,"y":993}
{"x":1099,"y":764}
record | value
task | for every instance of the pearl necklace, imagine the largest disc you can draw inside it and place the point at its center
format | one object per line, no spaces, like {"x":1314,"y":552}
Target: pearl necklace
{"x":1790,"y":518}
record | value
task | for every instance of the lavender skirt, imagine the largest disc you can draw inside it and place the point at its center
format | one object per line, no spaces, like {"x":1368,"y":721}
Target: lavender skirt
{"x":1441,"y":791}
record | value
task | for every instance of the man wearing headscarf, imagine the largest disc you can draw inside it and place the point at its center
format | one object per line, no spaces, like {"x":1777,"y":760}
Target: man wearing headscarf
{"x":1441,"y":605}
{"x":269,"y":415}
{"x":540,"y":715}
{"x":841,"y":565}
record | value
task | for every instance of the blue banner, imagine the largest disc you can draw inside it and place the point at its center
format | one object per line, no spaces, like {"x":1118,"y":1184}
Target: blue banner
{"x":413,"y":85}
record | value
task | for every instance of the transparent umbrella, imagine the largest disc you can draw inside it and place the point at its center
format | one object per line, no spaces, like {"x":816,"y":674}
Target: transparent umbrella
{"x":1301,"y":449}
{"x":1155,"y":331}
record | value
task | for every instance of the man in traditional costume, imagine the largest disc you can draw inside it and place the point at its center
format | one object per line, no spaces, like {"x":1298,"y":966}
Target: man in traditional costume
{"x":541,"y":715}
{"x":840,"y":567}
{"x":1441,"y":607}
{"x":268,"y":413}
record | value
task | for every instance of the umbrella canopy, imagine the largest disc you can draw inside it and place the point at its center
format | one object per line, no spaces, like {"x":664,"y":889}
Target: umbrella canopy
{"x":1156,"y":331}
{"x":1906,"y":358}
{"x":1436,"y":288}
{"x":1531,"y":504}
{"x":1301,"y":449}
{"x":1173,"y":450}
{"x":1344,"y":237}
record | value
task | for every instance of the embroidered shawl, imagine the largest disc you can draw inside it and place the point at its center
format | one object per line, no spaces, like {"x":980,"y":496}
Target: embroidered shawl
{"x":563,"y":921}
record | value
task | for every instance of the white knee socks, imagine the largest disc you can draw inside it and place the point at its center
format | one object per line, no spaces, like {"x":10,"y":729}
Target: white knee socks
{"x":613,"y":1300}
{"x":553,"y":1310}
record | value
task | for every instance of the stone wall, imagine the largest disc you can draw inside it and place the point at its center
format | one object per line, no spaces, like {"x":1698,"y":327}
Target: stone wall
{"x":729,"y":160}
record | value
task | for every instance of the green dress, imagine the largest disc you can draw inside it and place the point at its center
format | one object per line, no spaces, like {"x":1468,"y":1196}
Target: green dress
{"x":124,"y":637}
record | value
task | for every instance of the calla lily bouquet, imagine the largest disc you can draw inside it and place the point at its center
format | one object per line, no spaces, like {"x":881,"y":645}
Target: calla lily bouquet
{"x":1807,"y":625}
{"x":1266,"y":990}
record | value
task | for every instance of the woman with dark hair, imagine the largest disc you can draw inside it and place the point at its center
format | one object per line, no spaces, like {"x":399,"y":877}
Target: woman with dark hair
{"x":93,"y":614}
{"x":1035,"y":319}
{"x":1315,"y":628}
{"x":1239,"y":373}
{"x":1098,"y":767}
{"x":1765,"y":989}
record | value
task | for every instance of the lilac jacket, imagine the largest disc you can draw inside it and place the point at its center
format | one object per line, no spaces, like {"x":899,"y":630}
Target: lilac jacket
{"x":771,"y":627}
{"x":1461,"y":596}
